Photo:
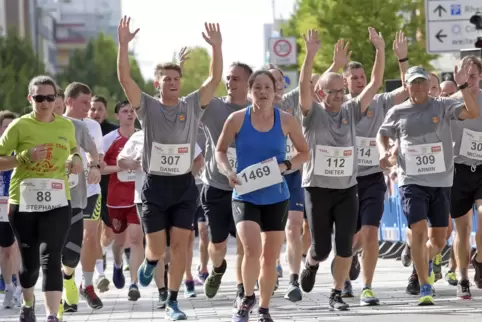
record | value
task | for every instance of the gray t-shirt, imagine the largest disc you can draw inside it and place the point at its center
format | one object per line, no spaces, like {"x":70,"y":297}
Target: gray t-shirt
{"x":171,"y":132}
{"x":366,"y":132}
{"x":213,"y":119}
{"x":423,"y":131}
{"x":467,"y":136}
{"x":331,"y":139}
{"x":78,"y":183}
{"x":291,"y":103}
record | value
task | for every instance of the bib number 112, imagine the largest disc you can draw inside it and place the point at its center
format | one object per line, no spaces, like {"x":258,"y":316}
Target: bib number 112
{"x":335,"y":162}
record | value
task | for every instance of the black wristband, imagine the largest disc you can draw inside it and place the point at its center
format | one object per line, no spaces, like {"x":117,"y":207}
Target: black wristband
{"x":403,"y":60}
{"x":463,"y":86}
{"x":287,"y":163}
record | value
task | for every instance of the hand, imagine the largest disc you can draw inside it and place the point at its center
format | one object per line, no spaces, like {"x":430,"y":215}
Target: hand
{"x":93,"y":176}
{"x":38,"y":153}
{"x":400,"y":45}
{"x":384,"y":161}
{"x":312,"y":41}
{"x":461,"y":74}
{"x":183,"y":56}
{"x":341,"y":55}
{"x":133,"y":165}
{"x":233,"y":179}
{"x":213,"y":34}
{"x":376,"y":39}
{"x":124,"y":33}
{"x":75,"y":165}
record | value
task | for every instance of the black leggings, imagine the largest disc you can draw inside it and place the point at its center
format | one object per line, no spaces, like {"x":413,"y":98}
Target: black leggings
{"x":46,"y":231}
{"x":325,"y":207}
{"x":73,"y":244}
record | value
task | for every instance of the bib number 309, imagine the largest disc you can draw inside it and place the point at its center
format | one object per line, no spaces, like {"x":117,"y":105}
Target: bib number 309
{"x":258,"y":176}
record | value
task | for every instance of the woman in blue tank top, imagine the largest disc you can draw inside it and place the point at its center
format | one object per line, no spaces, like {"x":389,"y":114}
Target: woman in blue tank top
{"x":260,"y":195}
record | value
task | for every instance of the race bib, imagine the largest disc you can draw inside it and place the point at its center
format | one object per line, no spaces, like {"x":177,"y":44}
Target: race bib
{"x":39,"y":195}
{"x":471,"y":146}
{"x":3,"y":209}
{"x":233,"y":161}
{"x":367,"y":151}
{"x":424,"y":159}
{"x":259,"y":176}
{"x":333,"y":161}
{"x":173,"y":159}
{"x":126,"y":176}
{"x":290,"y":149}
{"x":73,"y":178}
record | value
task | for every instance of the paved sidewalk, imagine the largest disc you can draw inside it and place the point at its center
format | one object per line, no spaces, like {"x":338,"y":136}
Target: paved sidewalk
{"x":389,"y":284}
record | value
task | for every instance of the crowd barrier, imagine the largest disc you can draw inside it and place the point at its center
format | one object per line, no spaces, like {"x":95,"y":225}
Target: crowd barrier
{"x":392,"y":232}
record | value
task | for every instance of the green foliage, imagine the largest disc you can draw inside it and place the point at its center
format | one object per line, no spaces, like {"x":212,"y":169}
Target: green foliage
{"x":18,"y":65}
{"x":196,"y":71}
{"x":350,"y":19}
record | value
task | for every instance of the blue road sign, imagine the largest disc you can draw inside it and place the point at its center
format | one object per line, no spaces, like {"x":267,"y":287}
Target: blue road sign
{"x":287,"y":81}
{"x":455,"y":10}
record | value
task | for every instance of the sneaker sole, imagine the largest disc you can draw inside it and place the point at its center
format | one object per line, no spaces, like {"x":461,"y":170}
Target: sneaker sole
{"x":293,"y":298}
{"x":103,"y":285}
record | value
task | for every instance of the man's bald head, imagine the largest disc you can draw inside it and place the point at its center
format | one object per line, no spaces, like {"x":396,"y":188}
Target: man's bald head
{"x":328,"y":79}
{"x":448,"y":88}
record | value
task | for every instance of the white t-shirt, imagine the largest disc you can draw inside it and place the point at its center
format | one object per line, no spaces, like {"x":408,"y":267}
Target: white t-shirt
{"x":95,"y":132}
{"x":133,"y":151}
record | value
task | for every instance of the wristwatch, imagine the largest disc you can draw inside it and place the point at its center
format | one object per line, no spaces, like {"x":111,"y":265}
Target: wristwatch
{"x":92,"y":165}
{"x":287,"y":163}
{"x":463,"y":86}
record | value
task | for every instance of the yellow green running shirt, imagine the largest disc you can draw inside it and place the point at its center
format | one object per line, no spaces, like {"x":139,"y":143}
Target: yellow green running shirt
{"x":37,"y":186}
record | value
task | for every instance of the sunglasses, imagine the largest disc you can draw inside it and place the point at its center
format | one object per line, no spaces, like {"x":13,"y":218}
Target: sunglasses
{"x":41,"y":98}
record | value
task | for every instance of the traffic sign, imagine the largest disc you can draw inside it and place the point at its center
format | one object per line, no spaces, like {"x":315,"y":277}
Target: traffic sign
{"x":282,"y":51}
{"x":448,"y":25}
{"x":291,"y":80}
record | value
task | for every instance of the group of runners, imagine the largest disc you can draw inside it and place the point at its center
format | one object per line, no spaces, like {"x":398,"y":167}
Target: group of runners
{"x":308,"y":167}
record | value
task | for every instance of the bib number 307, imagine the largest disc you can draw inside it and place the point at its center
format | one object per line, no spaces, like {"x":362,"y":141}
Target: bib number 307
{"x":40,"y":195}
{"x":172,"y":159}
{"x":471,"y":145}
{"x":258,"y":176}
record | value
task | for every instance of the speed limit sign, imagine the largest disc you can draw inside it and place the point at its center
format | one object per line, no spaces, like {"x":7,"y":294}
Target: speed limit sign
{"x":282,"y":51}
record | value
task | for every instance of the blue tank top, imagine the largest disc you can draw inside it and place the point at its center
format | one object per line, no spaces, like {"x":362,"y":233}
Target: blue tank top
{"x":5,"y":182}
{"x":253,"y":147}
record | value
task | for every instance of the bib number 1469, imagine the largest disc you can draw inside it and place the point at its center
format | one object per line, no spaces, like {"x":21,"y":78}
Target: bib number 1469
{"x":258,"y":173}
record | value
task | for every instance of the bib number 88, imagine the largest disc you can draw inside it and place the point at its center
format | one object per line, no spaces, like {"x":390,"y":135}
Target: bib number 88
{"x":259,"y":173}
{"x":44,"y":196}
{"x":430,"y":159}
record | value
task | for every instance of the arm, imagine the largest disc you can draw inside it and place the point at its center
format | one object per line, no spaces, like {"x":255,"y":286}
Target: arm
{"x":197,"y":165}
{"x":8,"y":144}
{"x":386,"y":132}
{"x":366,"y":96}
{"x":400,"y":47}
{"x":108,"y":169}
{"x":130,"y":87}
{"x":8,"y":162}
{"x":299,"y":142}
{"x":312,"y":44}
{"x":225,"y":139}
{"x":471,"y":108}
{"x":208,"y":89}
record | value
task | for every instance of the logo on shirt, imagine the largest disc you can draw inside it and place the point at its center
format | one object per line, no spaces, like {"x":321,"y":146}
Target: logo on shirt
{"x":289,"y":110}
{"x":182,"y":117}
{"x":62,"y":138}
{"x":370,"y":113}
{"x":344,"y":121}
{"x":435,"y":119}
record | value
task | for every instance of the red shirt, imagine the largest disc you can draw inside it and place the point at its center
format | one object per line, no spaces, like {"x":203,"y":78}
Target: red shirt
{"x":120,"y":192}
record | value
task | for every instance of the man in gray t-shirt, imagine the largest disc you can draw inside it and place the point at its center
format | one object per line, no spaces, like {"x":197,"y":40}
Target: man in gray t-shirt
{"x":425,"y":163}
{"x":329,"y":176}
{"x":170,"y":126}
{"x":467,"y":188}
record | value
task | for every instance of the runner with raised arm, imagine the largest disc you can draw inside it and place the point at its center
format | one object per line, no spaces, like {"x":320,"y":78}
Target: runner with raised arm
{"x":329,"y":177}
{"x":422,"y":126}
{"x":170,"y":126}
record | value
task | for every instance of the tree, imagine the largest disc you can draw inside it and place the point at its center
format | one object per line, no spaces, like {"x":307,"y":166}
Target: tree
{"x":196,"y":70}
{"x":18,"y":65}
{"x":96,"y":66}
{"x":350,"y":19}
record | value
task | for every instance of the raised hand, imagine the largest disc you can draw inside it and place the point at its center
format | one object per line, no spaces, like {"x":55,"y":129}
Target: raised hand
{"x":341,"y":55}
{"x":376,"y":38}
{"x":38,"y":153}
{"x":183,"y":56}
{"x":212,"y":34}
{"x":461,"y":74}
{"x":312,"y":41}
{"x":400,"y":45}
{"x":124,"y":33}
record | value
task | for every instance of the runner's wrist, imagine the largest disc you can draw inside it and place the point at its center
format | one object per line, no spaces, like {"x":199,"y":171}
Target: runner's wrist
{"x":75,"y":154}
{"x":23,"y":157}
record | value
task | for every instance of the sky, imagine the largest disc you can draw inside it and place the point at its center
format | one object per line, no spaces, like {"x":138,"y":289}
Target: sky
{"x":167,"y":25}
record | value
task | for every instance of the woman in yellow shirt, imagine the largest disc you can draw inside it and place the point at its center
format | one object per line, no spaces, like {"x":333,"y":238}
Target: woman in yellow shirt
{"x":39,"y":203}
